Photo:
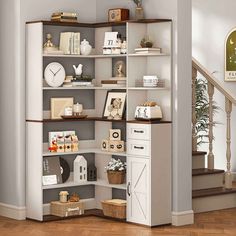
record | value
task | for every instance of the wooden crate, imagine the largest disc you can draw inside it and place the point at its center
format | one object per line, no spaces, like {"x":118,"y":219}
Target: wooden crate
{"x":66,"y":209}
{"x":115,"y":208}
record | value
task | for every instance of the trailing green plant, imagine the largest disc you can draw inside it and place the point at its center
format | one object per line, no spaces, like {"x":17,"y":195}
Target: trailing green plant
{"x":202,"y":111}
{"x":138,"y":2}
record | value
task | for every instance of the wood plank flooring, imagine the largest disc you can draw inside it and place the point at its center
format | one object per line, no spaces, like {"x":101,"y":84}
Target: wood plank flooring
{"x":219,"y":223}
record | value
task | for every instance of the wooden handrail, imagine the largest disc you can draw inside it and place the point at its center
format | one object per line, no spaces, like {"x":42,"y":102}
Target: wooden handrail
{"x":215,"y":82}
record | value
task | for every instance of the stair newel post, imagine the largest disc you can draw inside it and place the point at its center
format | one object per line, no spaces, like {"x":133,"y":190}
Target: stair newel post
{"x":228,"y":175}
{"x":194,"y":118}
{"x":210,"y":157}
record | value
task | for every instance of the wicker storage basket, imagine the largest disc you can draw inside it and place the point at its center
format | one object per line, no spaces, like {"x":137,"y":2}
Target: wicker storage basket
{"x":116,"y":177}
{"x":115,"y":208}
{"x":67,"y":209}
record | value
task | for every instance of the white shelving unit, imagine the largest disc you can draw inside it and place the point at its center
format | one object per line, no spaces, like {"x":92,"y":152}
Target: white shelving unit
{"x":148,"y":183}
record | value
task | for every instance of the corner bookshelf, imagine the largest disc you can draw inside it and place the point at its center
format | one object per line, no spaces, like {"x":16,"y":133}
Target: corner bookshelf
{"x":148,"y":181}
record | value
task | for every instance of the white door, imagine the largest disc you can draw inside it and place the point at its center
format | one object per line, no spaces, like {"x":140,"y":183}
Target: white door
{"x":138,"y":190}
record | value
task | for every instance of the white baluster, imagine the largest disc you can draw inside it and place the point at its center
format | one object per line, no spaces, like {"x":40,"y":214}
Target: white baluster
{"x":210,"y":157}
{"x":194,"y":119}
{"x":228,"y":175}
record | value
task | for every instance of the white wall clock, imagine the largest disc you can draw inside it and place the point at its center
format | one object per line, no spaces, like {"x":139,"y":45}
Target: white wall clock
{"x":54,"y":74}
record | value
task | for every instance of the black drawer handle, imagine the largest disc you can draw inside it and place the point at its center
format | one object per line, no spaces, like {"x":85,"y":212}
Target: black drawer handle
{"x":139,"y":131}
{"x":138,"y":147}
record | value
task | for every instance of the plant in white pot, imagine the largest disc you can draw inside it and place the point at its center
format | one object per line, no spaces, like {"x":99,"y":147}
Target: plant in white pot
{"x":116,"y":170}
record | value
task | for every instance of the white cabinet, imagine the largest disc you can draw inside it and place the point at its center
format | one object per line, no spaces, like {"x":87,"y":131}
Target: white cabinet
{"x":149,"y":175}
{"x":138,"y":188}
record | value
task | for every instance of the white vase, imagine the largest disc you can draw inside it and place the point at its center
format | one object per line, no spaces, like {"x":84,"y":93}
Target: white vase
{"x":85,"y":47}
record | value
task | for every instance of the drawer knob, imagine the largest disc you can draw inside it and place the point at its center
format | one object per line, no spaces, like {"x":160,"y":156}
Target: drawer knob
{"x":139,"y":131}
{"x":136,"y":147}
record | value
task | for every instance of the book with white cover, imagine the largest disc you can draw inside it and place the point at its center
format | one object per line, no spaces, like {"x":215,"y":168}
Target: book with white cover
{"x":147,"y":50}
{"x":75,"y":43}
{"x":66,"y":42}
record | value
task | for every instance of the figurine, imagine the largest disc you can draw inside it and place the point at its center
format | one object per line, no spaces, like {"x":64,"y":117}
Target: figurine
{"x":49,"y":46}
{"x":78,"y":70}
{"x":119,"y":69}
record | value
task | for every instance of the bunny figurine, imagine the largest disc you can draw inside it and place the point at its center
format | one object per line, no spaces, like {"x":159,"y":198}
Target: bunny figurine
{"x":78,"y":70}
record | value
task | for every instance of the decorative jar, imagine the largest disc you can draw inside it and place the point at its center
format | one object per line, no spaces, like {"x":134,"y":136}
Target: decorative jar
{"x":85,"y":47}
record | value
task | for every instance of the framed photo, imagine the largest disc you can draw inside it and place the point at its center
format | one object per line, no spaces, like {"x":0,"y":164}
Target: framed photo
{"x":230,"y":56}
{"x":112,"y":99}
{"x":110,"y":39}
{"x":58,"y":106}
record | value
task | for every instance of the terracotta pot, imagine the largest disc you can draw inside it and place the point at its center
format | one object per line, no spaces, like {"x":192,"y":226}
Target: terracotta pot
{"x":116,"y":177}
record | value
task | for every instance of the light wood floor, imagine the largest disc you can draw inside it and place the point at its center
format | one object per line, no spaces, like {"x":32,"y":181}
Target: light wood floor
{"x":217,"y":223}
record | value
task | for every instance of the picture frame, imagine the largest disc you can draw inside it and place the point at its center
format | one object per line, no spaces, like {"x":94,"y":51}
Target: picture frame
{"x":230,"y":56}
{"x":110,"y":97}
{"x":110,"y":39}
{"x":58,"y":106}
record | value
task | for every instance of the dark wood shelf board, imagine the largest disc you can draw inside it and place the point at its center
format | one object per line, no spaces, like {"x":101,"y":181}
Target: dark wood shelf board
{"x":99,"y":24}
{"x":204,"y":171}
{"x":149,"y":122}
{"x":87,"y":213}
{"x":75,"y":120}
{"x":212,"y":192}
{"x":199,"y":153}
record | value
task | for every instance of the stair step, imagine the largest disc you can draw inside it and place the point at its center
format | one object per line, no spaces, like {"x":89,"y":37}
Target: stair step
{"x":213,"y":199}
{"x":205,"y":171}
{"x":198,"y":153}
{"x":212,"y":192}
{"x":198,"y":160}
{"x":205,"y":179}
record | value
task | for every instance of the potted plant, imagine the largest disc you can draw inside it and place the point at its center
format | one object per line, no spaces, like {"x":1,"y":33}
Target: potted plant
{"x":202,"y":111}
{"x":116,"y":170}
{"x":139,"y":14}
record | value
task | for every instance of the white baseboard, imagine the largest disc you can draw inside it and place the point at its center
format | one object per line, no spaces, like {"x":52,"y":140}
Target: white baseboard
{"x":89,"y":203}
{"x":13,"y":212}
{"x":182,"y":218}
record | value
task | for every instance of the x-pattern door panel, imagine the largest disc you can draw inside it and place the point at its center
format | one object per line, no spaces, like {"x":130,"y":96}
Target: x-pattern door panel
{"x":138,"y":201}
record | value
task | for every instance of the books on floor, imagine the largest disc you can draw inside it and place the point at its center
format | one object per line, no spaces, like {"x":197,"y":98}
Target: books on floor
{"x":65,"y":17}
{"x":113,"y":82}
{"x":147,"y":50}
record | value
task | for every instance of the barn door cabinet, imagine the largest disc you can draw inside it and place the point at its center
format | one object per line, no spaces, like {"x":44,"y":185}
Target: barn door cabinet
{"x":148,"y":174}
{"x":148,"y":144}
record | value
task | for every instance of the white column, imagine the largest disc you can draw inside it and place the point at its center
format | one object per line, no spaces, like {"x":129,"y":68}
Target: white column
{"x":210,"y":157}
{"x":194,"y":119}
{"x":228,"y":175}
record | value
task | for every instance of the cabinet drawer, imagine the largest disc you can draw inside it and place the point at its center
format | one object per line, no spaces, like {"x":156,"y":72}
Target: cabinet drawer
{"x":139,"y":131}
{"x":138,"y":147}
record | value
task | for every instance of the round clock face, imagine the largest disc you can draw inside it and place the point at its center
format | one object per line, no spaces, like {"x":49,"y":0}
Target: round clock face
{"x":54,"y":74}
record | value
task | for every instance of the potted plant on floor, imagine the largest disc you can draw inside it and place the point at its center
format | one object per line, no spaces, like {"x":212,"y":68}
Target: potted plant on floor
{"x":116,"y":170}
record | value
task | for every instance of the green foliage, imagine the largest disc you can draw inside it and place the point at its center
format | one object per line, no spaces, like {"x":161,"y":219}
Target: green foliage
{"x":202,"y":111}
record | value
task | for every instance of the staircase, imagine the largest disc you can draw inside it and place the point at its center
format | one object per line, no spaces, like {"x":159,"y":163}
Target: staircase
{"x":212,"y":189}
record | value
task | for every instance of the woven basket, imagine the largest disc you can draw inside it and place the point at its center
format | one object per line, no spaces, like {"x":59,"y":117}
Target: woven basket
{"x":115,"y":208}
{"x":67,"y":209}
{"x":116,"y":177}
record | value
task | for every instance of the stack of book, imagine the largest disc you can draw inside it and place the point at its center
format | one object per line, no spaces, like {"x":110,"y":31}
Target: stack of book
{"x":114,"y":82}
{"x":147,"y":50}
{"x":64,"y":17}
{"x":85,"y":81}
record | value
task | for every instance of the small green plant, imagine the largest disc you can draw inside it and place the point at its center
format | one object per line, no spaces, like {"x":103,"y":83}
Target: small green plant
{"x":138,"y":2}
{"x":202,"y":111}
